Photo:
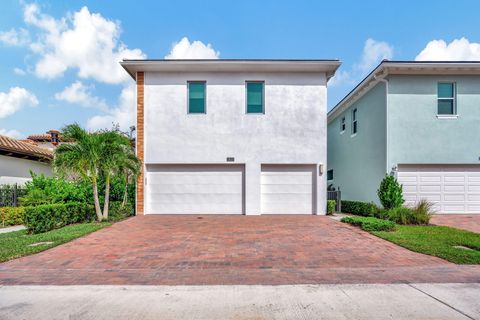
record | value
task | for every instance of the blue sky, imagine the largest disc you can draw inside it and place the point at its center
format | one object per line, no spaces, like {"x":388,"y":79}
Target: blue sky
{"x":59,"y":57}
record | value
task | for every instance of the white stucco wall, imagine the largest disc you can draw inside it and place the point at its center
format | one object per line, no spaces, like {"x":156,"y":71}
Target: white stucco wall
{"x":11,"y":168}
{"x":292,"y":130}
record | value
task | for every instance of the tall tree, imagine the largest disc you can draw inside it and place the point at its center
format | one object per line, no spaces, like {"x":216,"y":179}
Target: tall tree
{"x":81,"y":156}
{"x":96,"y":155}
{"x":115,"y":149}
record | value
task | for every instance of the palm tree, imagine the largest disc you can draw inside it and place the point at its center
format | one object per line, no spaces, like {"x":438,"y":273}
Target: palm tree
{"x":115,"y":154}
{"x":95,"y":155}
{"x":130,"y":166}
{"x":81,"y":157}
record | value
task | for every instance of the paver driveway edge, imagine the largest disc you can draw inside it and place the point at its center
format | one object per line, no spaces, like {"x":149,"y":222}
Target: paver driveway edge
{"x":230,"y":250}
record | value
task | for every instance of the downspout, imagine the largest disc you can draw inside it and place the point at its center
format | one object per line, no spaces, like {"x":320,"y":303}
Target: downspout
{"x":382,"y":79}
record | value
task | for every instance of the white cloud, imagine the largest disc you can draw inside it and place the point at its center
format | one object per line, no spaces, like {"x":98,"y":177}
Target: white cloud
{"x":84,"y":41}
{"x":340,"y":77}
{"x":374,"y":52}
{"x":78,"y":93}
{"x":15,"y":99}
{"x":12,"y":133}
{"x":184,"y":49}
{"x":457,"y":50}
{"x":15,"y":37}
{"x":19,"y":71}
{"x":124,"y":114}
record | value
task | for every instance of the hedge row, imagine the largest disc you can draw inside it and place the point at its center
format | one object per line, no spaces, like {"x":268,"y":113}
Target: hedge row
{"x":370,"y":223}
{"x":360,"y":208}
{"x":11,"y":216}
{"x":47,"y":217}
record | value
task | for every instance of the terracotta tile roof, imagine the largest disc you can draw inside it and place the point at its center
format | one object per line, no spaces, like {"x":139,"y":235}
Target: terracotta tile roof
{"x":26,"y":148}
{"x":40,"y":137}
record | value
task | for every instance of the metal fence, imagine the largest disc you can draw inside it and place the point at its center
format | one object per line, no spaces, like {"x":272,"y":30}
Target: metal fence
{"x":9,"y":195}
{"x":337,"y":196}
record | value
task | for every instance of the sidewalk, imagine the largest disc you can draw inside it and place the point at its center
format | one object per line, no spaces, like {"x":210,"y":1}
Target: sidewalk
{"x":373,"y":301}
{"x":11,"y":229}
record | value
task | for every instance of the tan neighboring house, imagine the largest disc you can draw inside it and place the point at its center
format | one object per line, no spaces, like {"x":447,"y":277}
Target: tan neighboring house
{"x":18,"y":158}
{"x":49,"y":140}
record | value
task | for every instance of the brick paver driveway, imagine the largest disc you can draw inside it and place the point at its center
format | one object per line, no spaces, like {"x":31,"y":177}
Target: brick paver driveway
{"x":459,"y":221}
{"x":175,"y":250}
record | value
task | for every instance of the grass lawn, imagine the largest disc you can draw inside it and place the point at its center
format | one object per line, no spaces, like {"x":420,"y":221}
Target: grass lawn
{"x":437,"y":241}
{"x":16,"y":244}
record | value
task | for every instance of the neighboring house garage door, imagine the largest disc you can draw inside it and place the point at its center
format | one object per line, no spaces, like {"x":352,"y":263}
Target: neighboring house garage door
{"x":452,"y":188}
{"x":194,"y":189}
{"x":288,"y":189}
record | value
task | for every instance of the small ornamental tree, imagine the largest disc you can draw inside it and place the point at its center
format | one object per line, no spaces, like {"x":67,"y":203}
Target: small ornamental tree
{"x":390,"y":193}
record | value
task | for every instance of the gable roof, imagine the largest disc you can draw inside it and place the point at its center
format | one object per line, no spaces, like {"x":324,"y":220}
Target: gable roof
{"x":10,"y":146}
{"x":387,"y":67}
{"x":329,"y":66}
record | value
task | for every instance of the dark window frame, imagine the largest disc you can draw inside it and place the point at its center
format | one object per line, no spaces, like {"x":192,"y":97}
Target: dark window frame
{"x":262,"y":82}
{"x":204,"y":96}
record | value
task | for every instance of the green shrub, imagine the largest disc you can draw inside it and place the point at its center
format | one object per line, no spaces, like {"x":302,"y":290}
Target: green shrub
{"x":49,"y":190}
{"x":47,"y":217}
{"x":423,"y":211}
{"x":116,"y":212}
{"x":390,"y":193}
{"x":331,"y":205}
{"x":370,"y":223}
{"x":11,"y":216}
{"x":360,"y":208}
{"x":419,"y":215}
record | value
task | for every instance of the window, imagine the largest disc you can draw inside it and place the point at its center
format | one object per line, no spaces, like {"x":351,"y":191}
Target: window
{"x":196,"y":97}
{"x":255,"y":98}
{"x":330,"y":174}
{"x":446,"y":98}
{"x":354,"y":121}
{"x":342,"y":125}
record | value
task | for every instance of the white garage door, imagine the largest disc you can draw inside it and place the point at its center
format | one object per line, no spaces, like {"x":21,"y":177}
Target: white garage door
{"x":194,"y":189}
{"x":452,"y":188}
{"x":288,"y":189}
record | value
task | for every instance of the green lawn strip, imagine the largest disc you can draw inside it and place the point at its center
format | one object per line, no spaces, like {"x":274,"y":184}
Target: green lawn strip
{"x":437,"y":241}
{"x":16,"y":244}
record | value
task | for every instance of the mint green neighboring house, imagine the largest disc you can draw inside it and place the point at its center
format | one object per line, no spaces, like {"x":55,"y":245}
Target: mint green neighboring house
{"x":417,"y":120}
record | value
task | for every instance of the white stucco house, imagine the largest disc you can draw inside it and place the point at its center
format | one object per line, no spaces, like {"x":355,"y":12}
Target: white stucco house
{"x":231,"y":136}
{"x":18,"y":158}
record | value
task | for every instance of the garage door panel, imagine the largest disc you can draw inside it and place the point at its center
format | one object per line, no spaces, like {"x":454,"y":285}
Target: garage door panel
{"x":282,"y":178}
{"x":429,"y":188}
{"x":454,"y":197}
{"x":409,"y":188}
{"x":451,"y":188}
{"x":287,"y":189}
{"x":220,"y":178}
{"x":195,"y":189}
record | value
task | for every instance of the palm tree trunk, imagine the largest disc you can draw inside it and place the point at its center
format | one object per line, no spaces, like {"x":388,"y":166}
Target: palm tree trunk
{"x":98,"y":211}
{"x":107,"y":197}
{"x":125,"y":194}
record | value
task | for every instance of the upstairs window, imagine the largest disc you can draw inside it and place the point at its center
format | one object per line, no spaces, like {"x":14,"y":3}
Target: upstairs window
{"x":330,"y":174}
{"x":196,"y":96}
{"x":354,"y":121}
{"x":446,"y":98}
{"x":255,"y":99}
{"x":342,"y":124}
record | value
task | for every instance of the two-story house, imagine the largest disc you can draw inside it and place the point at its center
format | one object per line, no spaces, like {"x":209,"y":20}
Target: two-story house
{"x":231,"y":136}
{"x":417,"y":120}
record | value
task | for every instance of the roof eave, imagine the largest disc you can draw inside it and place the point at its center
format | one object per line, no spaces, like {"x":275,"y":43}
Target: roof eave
{"x":328,"y":67}
{"x":386,"y":68}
